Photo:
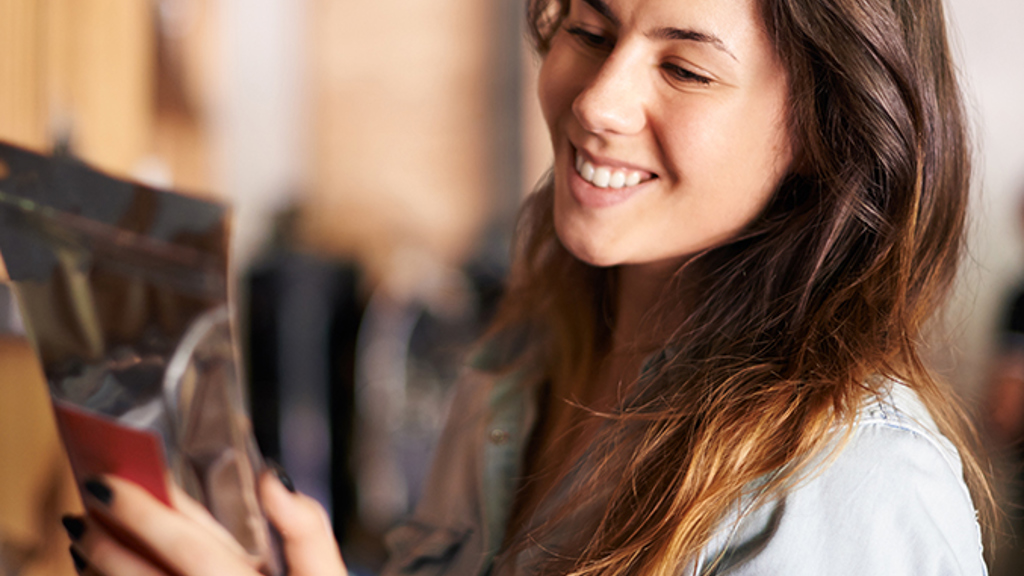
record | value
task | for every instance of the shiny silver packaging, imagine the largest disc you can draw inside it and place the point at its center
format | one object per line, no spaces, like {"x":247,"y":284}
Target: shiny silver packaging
{"x":124,"y":293}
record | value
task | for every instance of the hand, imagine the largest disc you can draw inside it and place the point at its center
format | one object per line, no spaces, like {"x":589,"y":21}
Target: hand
{"x":186,"y":540}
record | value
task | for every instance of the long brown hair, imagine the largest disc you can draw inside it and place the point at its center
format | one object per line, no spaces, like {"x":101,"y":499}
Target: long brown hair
{"x":823,"y":295}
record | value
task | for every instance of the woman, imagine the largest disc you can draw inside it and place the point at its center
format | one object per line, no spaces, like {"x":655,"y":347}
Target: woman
{"x":706,"y":362}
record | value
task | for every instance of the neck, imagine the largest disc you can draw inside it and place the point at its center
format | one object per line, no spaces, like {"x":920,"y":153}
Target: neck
{"x":639,"y":288}
{"x":635,"y":334}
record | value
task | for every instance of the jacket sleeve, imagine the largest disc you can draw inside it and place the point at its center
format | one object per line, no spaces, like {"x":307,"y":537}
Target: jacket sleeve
{"x":443,"y":534}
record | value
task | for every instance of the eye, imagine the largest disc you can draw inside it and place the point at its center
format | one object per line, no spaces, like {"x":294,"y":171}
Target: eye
{"x":683,"y":75}
{"x":591,"y":39}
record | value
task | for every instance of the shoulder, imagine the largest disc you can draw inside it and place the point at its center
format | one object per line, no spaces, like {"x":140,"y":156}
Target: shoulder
{"x":892,"y":500}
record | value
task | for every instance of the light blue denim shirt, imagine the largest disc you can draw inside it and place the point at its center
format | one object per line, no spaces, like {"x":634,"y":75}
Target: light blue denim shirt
{"x":891,"y":501}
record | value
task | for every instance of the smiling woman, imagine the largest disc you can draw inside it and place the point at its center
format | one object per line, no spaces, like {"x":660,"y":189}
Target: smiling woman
{"x":706,"y":361}
{"x":687,"y":99}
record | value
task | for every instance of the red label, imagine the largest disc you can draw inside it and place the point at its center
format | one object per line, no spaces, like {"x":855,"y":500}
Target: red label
{"x":97,"y":445}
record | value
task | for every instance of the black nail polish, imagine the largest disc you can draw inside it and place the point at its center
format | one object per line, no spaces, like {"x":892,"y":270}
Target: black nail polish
{"x":80,"y":563}
{"x":99,"y":490}
{"x":75,"y":527}
{"x":283,"y":476}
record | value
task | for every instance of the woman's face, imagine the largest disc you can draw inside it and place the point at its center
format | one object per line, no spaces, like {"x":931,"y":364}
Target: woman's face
{"x":668,"y":119}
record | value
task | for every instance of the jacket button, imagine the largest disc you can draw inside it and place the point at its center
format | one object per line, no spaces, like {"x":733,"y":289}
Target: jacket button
{"x":498,"y":436}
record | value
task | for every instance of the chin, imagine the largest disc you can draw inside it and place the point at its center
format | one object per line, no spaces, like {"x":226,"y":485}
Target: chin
{"x":587,"y":252}
{"x":595,"y":261}
{"x":578,"y":239}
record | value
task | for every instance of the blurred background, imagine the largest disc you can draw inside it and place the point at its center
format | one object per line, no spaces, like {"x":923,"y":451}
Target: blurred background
{"x":374,"y":154}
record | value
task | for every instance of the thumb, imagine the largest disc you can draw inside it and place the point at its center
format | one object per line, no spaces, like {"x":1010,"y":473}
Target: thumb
{"x":309,"y":545}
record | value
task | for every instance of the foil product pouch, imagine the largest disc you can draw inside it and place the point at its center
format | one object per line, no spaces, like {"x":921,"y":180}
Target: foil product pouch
{"x":124,"y":293}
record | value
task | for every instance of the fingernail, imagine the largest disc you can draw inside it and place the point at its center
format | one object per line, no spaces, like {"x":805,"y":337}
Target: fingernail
{"x":100,"y":491}
{"x":74,"y":526}
{"x":283,"y":476}
{"x":80,"y":563}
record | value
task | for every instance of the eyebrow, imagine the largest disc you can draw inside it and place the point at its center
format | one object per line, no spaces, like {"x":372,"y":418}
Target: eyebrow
{"x":667,"y":32}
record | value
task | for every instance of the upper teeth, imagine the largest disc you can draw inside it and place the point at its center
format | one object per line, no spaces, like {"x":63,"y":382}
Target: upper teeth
{"x":605,"y":177}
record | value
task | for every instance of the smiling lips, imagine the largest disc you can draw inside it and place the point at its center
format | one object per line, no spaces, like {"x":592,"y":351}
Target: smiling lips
{"x":607,"y":176}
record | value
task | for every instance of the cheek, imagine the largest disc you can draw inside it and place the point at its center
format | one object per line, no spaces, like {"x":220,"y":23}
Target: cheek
{"x":555,"y":82}
{"x":740,"y":150}
{"x":700,"y":144}
{"x":546,"y":93}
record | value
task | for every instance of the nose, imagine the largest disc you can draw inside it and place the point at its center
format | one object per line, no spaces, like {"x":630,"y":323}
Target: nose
{"x":613,"y":101}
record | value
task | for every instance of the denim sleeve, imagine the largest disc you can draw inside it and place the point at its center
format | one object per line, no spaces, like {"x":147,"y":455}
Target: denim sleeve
{"x":443,"y":536}
{"x":892,"y":502}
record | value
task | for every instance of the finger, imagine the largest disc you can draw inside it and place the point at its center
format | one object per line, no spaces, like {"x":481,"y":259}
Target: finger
{"x":79,"y":561}
{"x":95,"y":551}
{"x":185,"y":504}
{"x":171,"y":537}
{"x":309,"y":545}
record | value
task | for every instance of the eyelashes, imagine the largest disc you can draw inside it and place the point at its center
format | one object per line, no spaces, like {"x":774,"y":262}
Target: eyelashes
{"x":605,"y":43}
{"x":684,"y":75}
{"x":591,"y":39}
